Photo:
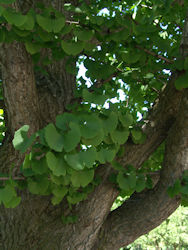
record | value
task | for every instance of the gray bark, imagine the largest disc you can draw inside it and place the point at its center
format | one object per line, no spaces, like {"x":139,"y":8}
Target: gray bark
{"x":35,"y":224}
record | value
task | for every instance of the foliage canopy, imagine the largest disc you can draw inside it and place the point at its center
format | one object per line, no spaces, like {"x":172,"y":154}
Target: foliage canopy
{"x":129,"y":47}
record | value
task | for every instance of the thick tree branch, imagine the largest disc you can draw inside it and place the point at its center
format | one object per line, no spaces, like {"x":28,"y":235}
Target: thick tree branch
{"x":156,"y":131}
{"x":160,"y":119}
{"x":151,"y":207}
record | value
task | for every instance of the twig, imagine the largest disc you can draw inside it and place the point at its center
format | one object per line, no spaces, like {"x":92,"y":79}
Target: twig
{"x":72,"y":22}
{"x":12,"y":178}
{"x":155,"y":55}
{"x":98,"y":84}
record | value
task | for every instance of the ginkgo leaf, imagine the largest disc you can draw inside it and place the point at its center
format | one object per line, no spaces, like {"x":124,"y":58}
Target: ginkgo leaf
{"x":21,"y":141}
{"x":53,"y":138}
{"x":182,"y":82}
{"x":94,"y":141}
{"x":110,"y":123}
{"x":58,"y":24}
{"x":72,"y":48}
{"x":32,"y":48}
{"x":119,"y":137}
{"x":14,"y":18}
{"x":56,"y":163}
{"x":90,"y":127}
{"x":74,"y":161}
{"x":45,"y":23}
{"x":82,"y":178}
{"x":125,"y":119}
{"x":84,"y":35}
{"x":39,"y":185}
{"x":72,"y":137}
{"x":29,"y":23}
{"x":88,"y":157}
{"x":63,"y":121}
{"x":106,"y":155}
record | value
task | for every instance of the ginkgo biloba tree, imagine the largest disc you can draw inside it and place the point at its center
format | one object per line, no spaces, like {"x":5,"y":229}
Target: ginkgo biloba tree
{"x":67,"y":150}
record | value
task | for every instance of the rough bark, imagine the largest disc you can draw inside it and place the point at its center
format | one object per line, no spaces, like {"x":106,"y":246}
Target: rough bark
{"x":19,"y":89}
{"x":147,"y":210}
{"x":35,"y":224}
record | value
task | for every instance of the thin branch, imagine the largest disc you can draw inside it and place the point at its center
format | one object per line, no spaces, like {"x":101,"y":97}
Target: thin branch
{"x":72,"y":22}
{"x":12,"y":178}
{"x":127,"y":223}
{"x":155,"y":55}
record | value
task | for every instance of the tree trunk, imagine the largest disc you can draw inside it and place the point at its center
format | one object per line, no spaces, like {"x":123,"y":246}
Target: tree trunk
{"x":36,"y":100}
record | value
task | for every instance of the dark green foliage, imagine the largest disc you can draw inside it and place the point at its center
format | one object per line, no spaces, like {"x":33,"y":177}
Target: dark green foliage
{"x":118,"y":52}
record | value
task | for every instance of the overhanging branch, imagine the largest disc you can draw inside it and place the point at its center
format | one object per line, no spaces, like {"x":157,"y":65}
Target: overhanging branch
{"x":161,"y":118}
{"x":151,"y":207}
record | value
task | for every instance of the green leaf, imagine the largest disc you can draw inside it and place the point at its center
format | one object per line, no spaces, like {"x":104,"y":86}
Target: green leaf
{"x":74,"y":161}
{"x":89,"y":46}
{"x":119,"y":137}
{"x":59,"y":193}
{"x":14,"y":18}
{"x":84,"y":35}
{"x":21,"y":33}
{"x":14,"y":202}
{"x":56,"y":163}
{"x":66,"y":29}
{"x":45,"y":23}
{"x":110,"y":123}
{"x":82,"y":178}
{"x":87,"y":96}
{"x":131,"y":177}
{"x":184,"y":189}
{"x":140,"y":183}
{"x":21,"y":141}
{"x":32,"y":48}
{"x":126,"y":120}
{"x":93,"y":98}
{"x":127,"y":182}
{"x":1,"y":9}
{"x":58,"y":24}
{"x":29,"y":23}
{"x":72,"y":48}
{"x":182,"y":81}
{"x":69,"y":219}
{"x":175,"y":189}
{"x":39,"y":185}
{"x":136,"y":133}
{"x":63,"y":121}
{"x":72,"y":137}
{"x":123,"y":182}
{"x":131,"y":56}
{"x":138,"y":136}
{"x":89,"y":157}
{"x":38,"y":166}
{"x":106,"y":155}
{"x":60,"y":180}
{"x":94,"y":141}
{"x":51,"y":25}
{"x":7,"y":193}
{"x":91,"y":125}
{"x":76,"y":198}
{"x":120,"y":36}
{"x":53,"y":138}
